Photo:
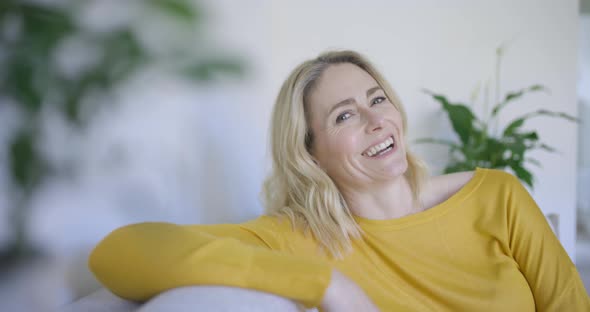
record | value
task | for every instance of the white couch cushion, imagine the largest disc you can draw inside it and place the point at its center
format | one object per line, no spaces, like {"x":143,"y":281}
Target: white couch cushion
{"x":218,"y":299}
{"x":185,"y":299}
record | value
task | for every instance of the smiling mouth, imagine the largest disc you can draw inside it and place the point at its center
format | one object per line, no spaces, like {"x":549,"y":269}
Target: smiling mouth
{"x":381,"y":148}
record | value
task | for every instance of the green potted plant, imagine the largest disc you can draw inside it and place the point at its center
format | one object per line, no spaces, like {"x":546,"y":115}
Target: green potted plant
{"x":31,"y":35}
{"x":481,"y":143}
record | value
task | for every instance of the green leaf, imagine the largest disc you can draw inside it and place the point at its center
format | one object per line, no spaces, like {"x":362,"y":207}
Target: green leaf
{"x":461,"y":120}
{"x":523,"y":174}
{"x":516,"y":149}
{"x":493,"y":151}
{"x":534,"y":162}
{"x":512,"y":96}
{"x":44,"y":26}
{"x":459,"y":167}
{"x":123,"y":55}
{"x":544,"y":112}
{"x":513,"y":126}
{"x":207,"y":70}
{"x":460,"y":115}
{"x":547,"y":113}
{"x":25,"y":163}
{"x":518,"y":122}
{"x":530,"y":136}
{"x":6,"y":6}
{"x":180,"y":9}
{"x":74,"y":91}
{"x":546,"y":147}
{"x":21,"y":85}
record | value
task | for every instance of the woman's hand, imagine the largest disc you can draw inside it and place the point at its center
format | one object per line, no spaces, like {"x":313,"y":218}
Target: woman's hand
{"x":344,"y":295}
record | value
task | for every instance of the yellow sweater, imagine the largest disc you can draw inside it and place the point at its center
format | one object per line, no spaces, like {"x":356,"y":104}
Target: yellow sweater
{"x":487,"y":248}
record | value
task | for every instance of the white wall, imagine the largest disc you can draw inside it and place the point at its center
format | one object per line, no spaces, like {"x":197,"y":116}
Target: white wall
{"x":584,"y":112}
{"x":584,"y":90}
{"x":448,"y":47}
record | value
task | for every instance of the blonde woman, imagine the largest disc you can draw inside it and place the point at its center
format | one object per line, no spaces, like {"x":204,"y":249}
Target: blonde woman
{"x":354,"y":223}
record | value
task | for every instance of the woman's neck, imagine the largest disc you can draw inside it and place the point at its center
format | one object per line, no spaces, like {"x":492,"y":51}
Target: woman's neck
{"x":382,"y":201}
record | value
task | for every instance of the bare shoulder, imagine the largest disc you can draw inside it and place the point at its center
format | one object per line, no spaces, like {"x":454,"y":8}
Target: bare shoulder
{"x":457,"y":179}
{"x":440,"y":188}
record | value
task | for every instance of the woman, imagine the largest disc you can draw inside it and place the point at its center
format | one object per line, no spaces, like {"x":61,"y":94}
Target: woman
{"x":354,"y":224}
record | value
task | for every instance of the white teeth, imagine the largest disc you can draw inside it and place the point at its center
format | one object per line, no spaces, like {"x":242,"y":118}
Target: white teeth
{"x":380,"y":147}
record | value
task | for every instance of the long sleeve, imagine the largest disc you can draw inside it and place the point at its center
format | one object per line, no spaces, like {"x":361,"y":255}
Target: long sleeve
{"x":141,"y":260}
{"x":552,"y":277}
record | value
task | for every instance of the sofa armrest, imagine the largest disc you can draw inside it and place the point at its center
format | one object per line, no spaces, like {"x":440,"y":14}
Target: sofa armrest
{"x":220,"y":299}
{"x":185,"y":299}
{"x":101,"y":300}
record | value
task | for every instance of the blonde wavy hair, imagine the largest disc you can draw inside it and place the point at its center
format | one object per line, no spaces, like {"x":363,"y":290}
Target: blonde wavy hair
{"x":297,"y":187}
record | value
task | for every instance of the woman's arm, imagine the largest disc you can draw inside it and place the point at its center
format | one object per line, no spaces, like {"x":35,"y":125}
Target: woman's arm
{"x":552,"y":277}
{"x":139,"y":261}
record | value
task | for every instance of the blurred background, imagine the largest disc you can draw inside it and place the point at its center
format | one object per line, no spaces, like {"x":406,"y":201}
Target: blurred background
{"x":114,"y":112}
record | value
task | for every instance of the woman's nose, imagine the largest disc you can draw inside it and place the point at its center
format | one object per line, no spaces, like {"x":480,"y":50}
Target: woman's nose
{"x":374,"y":121}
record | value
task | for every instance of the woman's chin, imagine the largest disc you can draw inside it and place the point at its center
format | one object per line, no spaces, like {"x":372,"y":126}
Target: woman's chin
{"x":397,"y":169}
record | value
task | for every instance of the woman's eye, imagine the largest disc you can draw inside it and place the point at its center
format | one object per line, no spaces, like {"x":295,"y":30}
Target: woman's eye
{"x":342,"y":117}
{"x":378,"y":100}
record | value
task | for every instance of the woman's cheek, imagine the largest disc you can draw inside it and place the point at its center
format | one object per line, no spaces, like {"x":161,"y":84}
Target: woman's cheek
{"x":348,"y":142}
{"x":342,"y":140}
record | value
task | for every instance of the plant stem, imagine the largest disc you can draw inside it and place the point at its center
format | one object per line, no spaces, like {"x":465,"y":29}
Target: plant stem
{"x":19,"y":216}
{"x":20,"y":228}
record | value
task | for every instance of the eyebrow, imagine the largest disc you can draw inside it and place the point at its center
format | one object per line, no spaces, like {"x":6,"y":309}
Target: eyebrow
{"x":351,"y":100}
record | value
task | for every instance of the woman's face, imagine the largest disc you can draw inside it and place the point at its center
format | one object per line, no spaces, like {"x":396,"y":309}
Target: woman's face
{"x":357,"y":132}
